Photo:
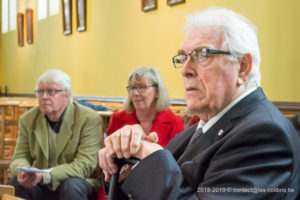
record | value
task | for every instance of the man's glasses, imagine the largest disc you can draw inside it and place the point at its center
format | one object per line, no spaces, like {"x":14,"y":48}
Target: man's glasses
{"x":139,"y":88}
{"x":49,"y":92}
{"x":198,"y":55}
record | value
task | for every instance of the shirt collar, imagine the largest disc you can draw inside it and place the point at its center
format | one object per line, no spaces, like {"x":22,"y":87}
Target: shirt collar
{"x":55,"y":126}
{"x":213,"y":120}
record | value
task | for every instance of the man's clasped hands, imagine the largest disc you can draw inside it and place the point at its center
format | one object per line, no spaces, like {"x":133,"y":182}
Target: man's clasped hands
{"x":129,"y":141}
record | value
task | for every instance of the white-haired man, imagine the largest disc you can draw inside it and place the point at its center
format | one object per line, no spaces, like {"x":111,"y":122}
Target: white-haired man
{"x":243,"y":147}
{"x":61,"y":135}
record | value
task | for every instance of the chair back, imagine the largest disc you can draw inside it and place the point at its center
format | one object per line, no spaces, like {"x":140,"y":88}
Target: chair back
{"x":7,"y":189}
{"x":10,"y":197}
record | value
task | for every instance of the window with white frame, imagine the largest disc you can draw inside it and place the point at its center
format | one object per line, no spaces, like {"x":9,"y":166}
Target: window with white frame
{"x":4,"y":27}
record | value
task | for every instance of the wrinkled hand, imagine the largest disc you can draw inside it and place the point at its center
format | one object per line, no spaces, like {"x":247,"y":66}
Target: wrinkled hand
{"x":125,"y":142}
{"x":147,"y":148}
{"x":129,"y":141}
{"x":106,"y":163}
{"x":29,"y":180}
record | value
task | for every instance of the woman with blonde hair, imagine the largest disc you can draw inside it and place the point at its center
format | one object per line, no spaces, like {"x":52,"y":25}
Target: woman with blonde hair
{"x":148,"y":104}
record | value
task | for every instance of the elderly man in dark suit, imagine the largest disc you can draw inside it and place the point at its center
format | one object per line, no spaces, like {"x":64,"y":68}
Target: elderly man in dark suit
{"x":242,"y":148}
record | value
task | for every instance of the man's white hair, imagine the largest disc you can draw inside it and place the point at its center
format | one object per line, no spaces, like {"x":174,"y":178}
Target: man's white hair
{"x":239,"y":35}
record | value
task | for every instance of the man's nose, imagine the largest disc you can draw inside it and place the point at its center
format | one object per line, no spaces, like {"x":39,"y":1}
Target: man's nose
{"x":186,"y":69}
{"x":44,"y":95}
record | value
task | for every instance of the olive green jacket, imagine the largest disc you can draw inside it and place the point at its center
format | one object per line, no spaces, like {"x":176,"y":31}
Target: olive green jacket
{"x":77,"y":145}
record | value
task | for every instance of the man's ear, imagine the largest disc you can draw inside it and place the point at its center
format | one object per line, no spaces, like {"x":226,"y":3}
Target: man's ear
{"x":245,"y":68}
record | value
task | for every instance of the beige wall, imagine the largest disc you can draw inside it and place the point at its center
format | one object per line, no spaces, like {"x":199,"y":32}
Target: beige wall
{"x":120,"y":37}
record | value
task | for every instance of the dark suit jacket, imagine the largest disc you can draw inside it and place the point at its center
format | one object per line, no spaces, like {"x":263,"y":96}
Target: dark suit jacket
{"x":166,"y":124}
{"x":257,"y":148}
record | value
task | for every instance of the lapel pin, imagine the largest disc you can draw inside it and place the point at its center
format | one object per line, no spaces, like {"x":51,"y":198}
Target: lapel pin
{"x":220,"y":132}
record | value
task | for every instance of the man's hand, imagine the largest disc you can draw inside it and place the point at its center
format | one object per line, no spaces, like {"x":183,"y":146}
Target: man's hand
{"x":29,"y":180}
{"x":129,"y":141}
{"x":125,"y":142}
{"x":147,"y":148}
{"x":106,"y":163}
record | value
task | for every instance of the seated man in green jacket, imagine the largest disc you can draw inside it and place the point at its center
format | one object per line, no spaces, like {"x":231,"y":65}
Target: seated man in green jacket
{"x":61,"y":135}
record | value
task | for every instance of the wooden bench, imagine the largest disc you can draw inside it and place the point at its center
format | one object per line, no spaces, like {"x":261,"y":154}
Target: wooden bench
{"x":8,"y":135}
{"x":105,"y":116}
{"x":7,"y":192}
{"x":4,"y":174}
{"x":8,"y":127}
{"x":289,"y":109}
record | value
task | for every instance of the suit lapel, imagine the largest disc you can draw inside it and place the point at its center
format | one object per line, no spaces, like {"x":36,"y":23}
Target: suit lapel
{"x":41,"y":134}
{"x":178,"y":144}
{"x":65,"y":131}
{"x":216,"y":132}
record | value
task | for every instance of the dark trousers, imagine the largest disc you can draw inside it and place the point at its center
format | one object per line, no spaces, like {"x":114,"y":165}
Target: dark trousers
{"x":72,"y":188}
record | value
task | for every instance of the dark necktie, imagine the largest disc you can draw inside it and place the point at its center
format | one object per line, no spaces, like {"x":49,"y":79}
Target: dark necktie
{"x":195,"y":137}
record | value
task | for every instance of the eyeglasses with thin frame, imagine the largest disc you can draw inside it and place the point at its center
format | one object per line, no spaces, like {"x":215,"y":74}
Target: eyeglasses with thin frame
{"x":139,"y":88}
{"x":49,"y":92}
{"x":198,"y":55}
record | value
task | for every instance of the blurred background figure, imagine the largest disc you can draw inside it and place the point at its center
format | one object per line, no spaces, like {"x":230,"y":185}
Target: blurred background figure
{"x":59,"y":134}
{"x":148,"y":104}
